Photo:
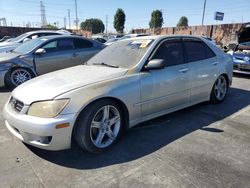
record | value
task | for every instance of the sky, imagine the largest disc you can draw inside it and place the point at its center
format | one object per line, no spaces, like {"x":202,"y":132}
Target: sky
{"x":138,"y":12}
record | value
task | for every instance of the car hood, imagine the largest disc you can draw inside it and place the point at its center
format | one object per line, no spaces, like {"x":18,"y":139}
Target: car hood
{"x":7,"y":46}
{"x":50,"y":85}
{"x":3,"y":44}
{"x":7,"y":56}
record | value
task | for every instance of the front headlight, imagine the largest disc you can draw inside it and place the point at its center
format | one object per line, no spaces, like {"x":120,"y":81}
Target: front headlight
{"x":47,"y":109}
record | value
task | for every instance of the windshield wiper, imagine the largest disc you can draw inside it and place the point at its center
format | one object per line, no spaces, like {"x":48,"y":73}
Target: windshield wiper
{"x":107,"y":65}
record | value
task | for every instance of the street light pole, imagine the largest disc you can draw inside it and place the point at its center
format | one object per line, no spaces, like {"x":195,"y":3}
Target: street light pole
{"x":204,"y":9}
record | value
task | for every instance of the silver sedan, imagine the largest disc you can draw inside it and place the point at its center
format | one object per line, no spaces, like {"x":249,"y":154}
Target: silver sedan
{"x":127,"y":83}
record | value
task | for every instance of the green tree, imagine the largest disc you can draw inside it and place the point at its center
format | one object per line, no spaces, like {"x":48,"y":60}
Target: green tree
{"x":50,"y":26}
{"x":93,"y":24}
{"x":156,"y":19}
{"x":183,"y":21}
{"x":119,"y":20}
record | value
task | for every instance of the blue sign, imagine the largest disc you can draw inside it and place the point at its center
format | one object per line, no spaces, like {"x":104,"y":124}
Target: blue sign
{"x":219,"y":16}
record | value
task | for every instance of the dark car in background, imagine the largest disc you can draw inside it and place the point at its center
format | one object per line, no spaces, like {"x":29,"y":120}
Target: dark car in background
{"x":14,"y":42}
{"x":43,"y":55}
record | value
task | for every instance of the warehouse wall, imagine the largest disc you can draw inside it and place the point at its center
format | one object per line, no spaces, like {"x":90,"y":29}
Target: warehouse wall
{"x":223,"y":33}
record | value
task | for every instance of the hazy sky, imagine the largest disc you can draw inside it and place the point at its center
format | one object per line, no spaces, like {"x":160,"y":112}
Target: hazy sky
{"x":19,"y":12}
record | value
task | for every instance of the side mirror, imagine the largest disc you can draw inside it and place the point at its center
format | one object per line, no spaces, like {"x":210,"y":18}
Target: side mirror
{"x":26,"y":40}
{"x":40,"y":51}
{"x":155,"y":64}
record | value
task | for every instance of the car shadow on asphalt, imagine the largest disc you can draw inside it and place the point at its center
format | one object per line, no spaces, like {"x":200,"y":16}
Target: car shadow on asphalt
{"x":152,"y":135}
{"x":238,"y":75}
{"x":5,"y":90}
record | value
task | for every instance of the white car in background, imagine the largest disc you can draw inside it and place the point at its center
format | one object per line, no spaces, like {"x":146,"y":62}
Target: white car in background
{"x":17,"y":41}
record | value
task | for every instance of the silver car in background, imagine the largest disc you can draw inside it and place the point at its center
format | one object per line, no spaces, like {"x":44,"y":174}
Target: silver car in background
{"x":43,"y":55}
{"x":127,"y":83}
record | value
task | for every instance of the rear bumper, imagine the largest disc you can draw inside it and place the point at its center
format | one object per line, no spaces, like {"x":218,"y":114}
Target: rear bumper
{"x":238,"y":67}
{"x":40,"y":132}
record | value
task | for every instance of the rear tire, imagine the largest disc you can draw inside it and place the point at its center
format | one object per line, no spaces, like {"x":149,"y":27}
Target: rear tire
{"x":17,"y":76}
{"x":99,"y":126}
{"x":219,"y":91}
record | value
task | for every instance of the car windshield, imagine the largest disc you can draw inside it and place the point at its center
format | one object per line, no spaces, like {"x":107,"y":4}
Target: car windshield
{"x":19,"y":38}
{"x":29,"y":46}
{"x":123,"y":54}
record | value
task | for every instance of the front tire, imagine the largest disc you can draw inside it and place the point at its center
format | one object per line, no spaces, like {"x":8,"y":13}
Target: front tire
{"x":17,"y":76}
{"x":219,"y":91}
{"x":99,"y":126}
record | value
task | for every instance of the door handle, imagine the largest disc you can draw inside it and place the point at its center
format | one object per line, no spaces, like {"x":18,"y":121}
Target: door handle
{"x":75,"y":54}
{"x":215,"y":63}
{"x":184,"y":70}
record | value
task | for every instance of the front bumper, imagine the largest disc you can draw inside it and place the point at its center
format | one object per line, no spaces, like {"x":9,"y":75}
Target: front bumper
{"x":2,"y":76}
{"x":39,"y":132}
{"x":241,"y":66}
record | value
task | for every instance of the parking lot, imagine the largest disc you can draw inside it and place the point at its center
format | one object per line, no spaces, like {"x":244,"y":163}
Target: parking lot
{"x":202,"y":146}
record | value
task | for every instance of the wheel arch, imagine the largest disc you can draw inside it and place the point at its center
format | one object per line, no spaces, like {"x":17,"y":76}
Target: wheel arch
{"x":227,"y":78}
{"x":120,"y":103}
{"x":13,"y":67}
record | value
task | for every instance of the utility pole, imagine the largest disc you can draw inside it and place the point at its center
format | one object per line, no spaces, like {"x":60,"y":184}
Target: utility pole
{"x":64,"y":19}
{"x":107,"y":25}
{"x":76,"y":15}
{"x":69,"y":18}
{"x":204,"y":9}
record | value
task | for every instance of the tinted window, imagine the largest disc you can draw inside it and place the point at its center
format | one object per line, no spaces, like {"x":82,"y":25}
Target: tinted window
{"x":171,"y":51}
{"x":197,"y":50}
{"x":65,"y":44}
{"x":209,"y":52}
{"x":81,"y":43}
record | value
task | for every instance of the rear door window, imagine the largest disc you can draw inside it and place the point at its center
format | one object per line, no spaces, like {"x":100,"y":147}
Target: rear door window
{"x":65,"y":44}
{"x":197,"y":50}
{"x":81,"y":43}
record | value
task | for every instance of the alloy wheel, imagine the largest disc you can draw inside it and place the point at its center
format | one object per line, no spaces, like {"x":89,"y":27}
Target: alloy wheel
{"x":20,"y":76}
{"x":105,"y":126}
{"x":220,"y":88}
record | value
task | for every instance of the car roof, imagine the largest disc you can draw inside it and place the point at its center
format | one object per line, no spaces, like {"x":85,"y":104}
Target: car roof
{"x":63,"y":36}
{"x":160,"y":37}
{"x":46,"y":31}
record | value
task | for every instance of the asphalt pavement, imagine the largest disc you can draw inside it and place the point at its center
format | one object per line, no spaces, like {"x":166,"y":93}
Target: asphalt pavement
{"x":202,"y":146}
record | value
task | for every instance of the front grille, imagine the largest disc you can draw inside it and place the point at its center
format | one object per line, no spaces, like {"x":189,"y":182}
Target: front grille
{"x":16,"y":104}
